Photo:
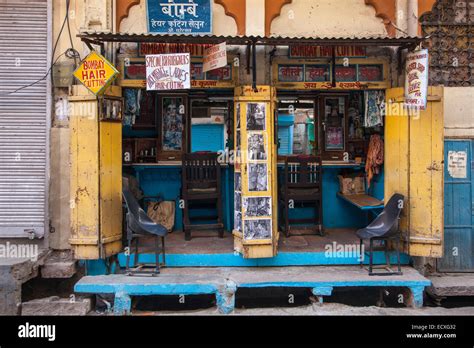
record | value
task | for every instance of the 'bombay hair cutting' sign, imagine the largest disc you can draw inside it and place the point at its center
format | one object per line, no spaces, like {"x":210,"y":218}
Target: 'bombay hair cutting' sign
{"x":96,"y":73}
{"x":416,"y":79}
{"x":168,"y":71}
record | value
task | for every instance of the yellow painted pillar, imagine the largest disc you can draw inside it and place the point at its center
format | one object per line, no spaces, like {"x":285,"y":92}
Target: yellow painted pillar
{"x":96,"y":177}
{"x":255,"y":172}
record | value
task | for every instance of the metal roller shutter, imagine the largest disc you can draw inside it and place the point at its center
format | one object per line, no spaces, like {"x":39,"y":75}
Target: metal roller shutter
{"x":207,"y":137}
{"x":24,"y":125}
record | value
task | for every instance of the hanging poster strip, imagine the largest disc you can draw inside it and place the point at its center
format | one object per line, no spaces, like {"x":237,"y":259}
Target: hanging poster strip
{"x":257,"y":235}
{"x":416,"y":79}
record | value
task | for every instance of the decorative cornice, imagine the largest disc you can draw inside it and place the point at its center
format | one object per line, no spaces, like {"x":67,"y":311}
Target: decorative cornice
{"x":385,"y":9}
{"x":424,"y":6}
{"x":236,"y":10}
{"x":123,"y":8}
{"x":272,"y":11}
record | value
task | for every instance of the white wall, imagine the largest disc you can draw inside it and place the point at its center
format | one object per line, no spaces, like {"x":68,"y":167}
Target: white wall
{"x":331,"y":18}
{"x":459,"y":111}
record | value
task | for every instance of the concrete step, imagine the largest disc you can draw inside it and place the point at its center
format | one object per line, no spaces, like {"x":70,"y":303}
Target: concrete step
{"x":59,"y":264}
{"x":56,"y":306}
{"x":224,"y":282}
{"x":451,"y":285}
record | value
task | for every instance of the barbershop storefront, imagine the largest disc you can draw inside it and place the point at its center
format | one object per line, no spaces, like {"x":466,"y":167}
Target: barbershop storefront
{"x":324,"y":99}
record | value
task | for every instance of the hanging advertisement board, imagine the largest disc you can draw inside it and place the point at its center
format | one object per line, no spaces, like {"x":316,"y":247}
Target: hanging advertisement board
{"x":416,"y":79}
{"x":166,"y":72}
{"x":215,"y":57}
{"x":96,"y":73}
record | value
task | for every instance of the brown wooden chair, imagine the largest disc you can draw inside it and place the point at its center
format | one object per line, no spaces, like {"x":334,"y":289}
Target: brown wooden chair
{"x":201,"y":186}
{"x":300,"y":183}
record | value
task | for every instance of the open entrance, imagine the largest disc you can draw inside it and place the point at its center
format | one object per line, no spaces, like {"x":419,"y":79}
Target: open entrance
{"x":333,"y":126}
{"x":313,"y":106}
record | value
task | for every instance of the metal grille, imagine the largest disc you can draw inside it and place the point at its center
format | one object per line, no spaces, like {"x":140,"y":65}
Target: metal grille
{"x":23,"y":117}
{"x":450,"y":26}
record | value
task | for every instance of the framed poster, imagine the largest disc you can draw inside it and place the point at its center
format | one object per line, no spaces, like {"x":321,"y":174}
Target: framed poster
{"x":256,"y":146}
{"x":257,"y":206}
{"x":257,"y":229}
{"x":256,"y":118}
{"x":257,"y":177}
{"x":110,"y":109}
{"x":172,"y":127}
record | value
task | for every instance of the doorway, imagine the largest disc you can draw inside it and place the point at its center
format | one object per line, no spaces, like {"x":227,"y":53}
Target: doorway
{"x":458,"y":207}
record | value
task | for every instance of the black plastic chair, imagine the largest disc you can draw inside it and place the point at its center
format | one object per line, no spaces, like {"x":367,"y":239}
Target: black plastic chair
{"x":139,"y":225}
{"x":384,"y":228}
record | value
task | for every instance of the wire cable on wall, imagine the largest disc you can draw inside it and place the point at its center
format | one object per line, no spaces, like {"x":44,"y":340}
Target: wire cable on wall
{"x":71,"y":53}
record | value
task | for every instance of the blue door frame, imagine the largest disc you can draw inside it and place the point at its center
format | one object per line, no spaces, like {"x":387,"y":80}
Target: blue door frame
{"x":458,"y":212}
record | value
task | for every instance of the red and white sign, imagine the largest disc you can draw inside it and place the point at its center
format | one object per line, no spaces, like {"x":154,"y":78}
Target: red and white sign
{"x":168,"y":71}
{"x":215,"y":57}
{"x":416,"y":79}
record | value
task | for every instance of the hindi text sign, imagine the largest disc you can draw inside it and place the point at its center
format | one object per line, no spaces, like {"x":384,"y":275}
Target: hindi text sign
{"x":215,"y":57}
{"x":179,"y":16}
{"x":416,"y":79}
{"x":95,"y":72}
{"x":168,"y":71}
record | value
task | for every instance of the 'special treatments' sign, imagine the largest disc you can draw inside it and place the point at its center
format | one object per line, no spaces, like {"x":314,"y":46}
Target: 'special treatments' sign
{"x":168,"y":71}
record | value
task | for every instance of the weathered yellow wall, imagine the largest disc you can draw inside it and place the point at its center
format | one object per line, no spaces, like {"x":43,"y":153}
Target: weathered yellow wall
{"x":327,"y":18}
{"x":414,"y":167}
{"x":83,"y":14}
{"x":59,"y":207}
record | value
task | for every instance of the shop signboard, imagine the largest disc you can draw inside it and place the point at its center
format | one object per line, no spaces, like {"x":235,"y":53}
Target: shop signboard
{"x":416,"y":79}
{"x":195,"y":50}
{"x":360,"y":73}
{"x":215,"y":57}
{"x":96,"y":73}
{"x":314,"y":51}
{"x":133,"y":74}
{"x":166,"y":72}
{"x":291,"y":73}
{"x":179,"y":16}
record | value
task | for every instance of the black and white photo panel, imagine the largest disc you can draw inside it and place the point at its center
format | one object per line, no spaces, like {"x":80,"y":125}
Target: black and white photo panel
{"x":256,"y":116}
{"x":237,"y":141}
{"x":237,"y":201}
{"x":237,"y":181}
{"x":257,"y":177}
{"x":257,"y":229}
{"x":237,"y":116}
{"x":257,"y":206}
{"x":256,"y":147}
{"x":238,"y":221}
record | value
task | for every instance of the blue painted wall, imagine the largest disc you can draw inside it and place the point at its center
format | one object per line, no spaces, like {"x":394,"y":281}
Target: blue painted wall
{"x":458,"y":213}
{"x":337,"y":213}
{"x":165,"y":181}
{"x":207,"y":137}
{"x":285,"y":134}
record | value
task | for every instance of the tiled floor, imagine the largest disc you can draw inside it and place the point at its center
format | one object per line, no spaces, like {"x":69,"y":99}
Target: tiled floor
{"x":208,"y":243}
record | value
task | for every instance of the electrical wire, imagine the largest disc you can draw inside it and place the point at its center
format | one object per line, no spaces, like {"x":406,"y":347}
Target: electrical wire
{"x":71,"y":53}
{"x":76,"y":54}
{"x":39,"y":80}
